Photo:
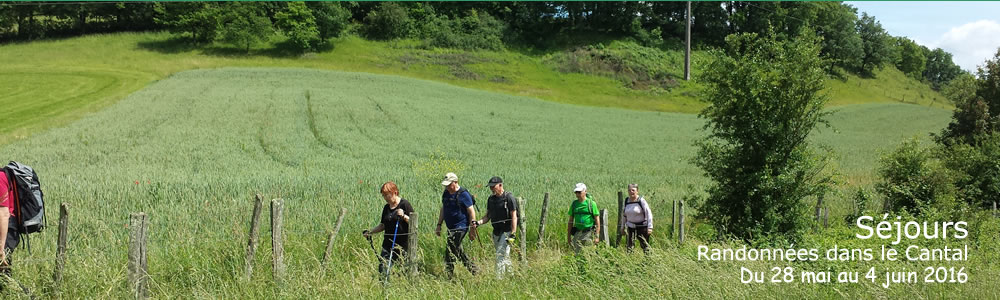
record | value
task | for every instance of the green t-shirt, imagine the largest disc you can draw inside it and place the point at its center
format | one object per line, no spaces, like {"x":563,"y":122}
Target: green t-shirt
{"x":583,"y":213}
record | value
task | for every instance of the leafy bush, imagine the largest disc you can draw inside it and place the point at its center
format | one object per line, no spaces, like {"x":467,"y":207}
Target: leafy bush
{"x":862,"y":201}
{"x":388,"y":21}
{"x":977,"y":170}
{"x":299,"y":24}
{"x":765,"y":100}
{"x":474,"y":31}
{"x":648,"y":38}
{"x":331,"y":18}
{"x":913,"y":179}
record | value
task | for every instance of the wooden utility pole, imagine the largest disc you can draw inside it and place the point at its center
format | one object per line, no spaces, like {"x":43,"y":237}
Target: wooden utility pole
{"x":687,"y":53}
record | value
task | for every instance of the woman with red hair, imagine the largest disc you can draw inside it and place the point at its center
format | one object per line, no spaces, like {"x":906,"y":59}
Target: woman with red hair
{"x":395,"y":221}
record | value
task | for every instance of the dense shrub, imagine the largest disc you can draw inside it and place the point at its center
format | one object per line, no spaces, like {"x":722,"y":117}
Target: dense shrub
{"x":474,"y":31}
{"x":388,"y":21}
{"x":331,"y":18}
{"x":914,"y":180}
{"x":977,"y":170}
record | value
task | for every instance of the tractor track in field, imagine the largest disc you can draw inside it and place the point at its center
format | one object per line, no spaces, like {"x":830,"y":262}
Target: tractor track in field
{"x":311,"y":119}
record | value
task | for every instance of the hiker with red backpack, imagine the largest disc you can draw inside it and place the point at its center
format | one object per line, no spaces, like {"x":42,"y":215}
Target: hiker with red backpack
{"x":638,"y":219}
{"x":459,"y":213}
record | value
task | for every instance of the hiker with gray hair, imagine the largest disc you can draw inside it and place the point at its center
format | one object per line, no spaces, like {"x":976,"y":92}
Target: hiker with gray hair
{"x":638,"y":219}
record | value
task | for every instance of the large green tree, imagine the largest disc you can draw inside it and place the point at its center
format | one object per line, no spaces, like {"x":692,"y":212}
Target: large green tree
{"x":765,"y":99}
{"x":200,"y":20}
{"x":331,"y":18}
{"x":299,"y":24}
{"x":976,"y":116}
{"x":989,"y":83}
{"x":940,"y":68}
{"x":244,"y":25}
{"x":874,"y":42}
{"x":841,"y":42}
{"x":962,"y":89}
{"x":911,"y":57}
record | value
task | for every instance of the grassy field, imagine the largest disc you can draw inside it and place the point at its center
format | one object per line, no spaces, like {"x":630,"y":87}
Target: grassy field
{"x":47,"y":84}
{"x":192,"y":149}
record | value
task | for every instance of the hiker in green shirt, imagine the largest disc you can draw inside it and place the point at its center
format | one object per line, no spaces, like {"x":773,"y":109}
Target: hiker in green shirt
{"x":583,"y":220}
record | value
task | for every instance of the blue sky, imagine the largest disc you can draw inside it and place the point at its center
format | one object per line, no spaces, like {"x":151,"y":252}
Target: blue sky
{"x":969,"y":30}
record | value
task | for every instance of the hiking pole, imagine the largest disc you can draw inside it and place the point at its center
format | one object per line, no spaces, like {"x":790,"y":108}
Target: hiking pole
{"x":392,"y":249}
{"x":475,"y":229}
{"x":370,"y":243}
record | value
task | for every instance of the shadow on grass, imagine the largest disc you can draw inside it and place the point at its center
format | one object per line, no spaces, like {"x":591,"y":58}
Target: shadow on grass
{"x":181,"y":44}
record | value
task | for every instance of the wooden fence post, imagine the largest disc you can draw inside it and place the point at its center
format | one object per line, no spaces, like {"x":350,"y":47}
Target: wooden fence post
{"x":826,"y":217}
{"x":254,"y":231}
{"x":61,"y":246}
{"x":138,"y":270}
{"x":277,"y":249}
{"x":604,"y":228}
{"x":673,"y":219}
{"x":819,"y":208}
{"x":621,"y":219}
{"x":680,"y":221}
{"x":333,"y":237}
{"x":994,"y":208}
{"x":541,"y":220}
{"x":520,"y":224}
{"x":412,"y":244}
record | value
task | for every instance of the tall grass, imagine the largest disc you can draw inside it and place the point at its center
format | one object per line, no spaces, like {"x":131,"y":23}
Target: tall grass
{"x":191,"y":151}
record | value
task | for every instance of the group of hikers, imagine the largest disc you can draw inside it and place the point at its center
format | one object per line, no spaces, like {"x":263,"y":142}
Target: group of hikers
{"x":458,"y":214}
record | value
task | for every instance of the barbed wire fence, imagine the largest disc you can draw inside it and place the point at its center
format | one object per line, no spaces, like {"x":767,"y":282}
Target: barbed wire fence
{"x":135,"y":270}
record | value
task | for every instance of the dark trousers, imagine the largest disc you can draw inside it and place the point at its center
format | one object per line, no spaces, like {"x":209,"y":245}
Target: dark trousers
{"x":397,"y":252}
{"x":640,"y":233}
{"x":454,"y":248}
{"x":13,"y":239}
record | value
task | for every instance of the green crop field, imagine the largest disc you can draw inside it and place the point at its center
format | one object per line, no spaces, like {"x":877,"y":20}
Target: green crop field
{"x":51,"y":83}
{"x":192,"y":149}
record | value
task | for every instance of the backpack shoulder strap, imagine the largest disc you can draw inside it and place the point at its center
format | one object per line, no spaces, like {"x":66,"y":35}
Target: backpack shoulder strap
{"x":642,"y":206}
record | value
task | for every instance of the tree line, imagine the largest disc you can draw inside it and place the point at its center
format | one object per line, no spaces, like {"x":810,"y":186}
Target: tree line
{"x":848,"y":41}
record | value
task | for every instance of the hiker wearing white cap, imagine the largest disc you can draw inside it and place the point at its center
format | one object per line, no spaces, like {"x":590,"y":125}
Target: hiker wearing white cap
{"x":501,"y":209}
{"x":584,"y":225}
{"x":459,"y":213}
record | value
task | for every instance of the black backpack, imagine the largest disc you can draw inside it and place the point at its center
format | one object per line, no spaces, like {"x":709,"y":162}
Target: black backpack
{"x":29,"y":208}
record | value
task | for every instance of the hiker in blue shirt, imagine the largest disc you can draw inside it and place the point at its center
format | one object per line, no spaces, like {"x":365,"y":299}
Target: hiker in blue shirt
{"x":459,"y":213}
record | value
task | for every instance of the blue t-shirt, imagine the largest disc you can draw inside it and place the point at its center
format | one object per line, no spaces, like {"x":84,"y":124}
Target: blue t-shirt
{"x":454,"y":206}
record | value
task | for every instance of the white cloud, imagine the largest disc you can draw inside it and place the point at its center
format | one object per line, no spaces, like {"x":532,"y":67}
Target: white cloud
{"x":971,"y":44}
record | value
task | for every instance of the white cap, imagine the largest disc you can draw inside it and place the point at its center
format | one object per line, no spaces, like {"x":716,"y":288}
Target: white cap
{"x":449,"y":178}
{"x":580,"y":187}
